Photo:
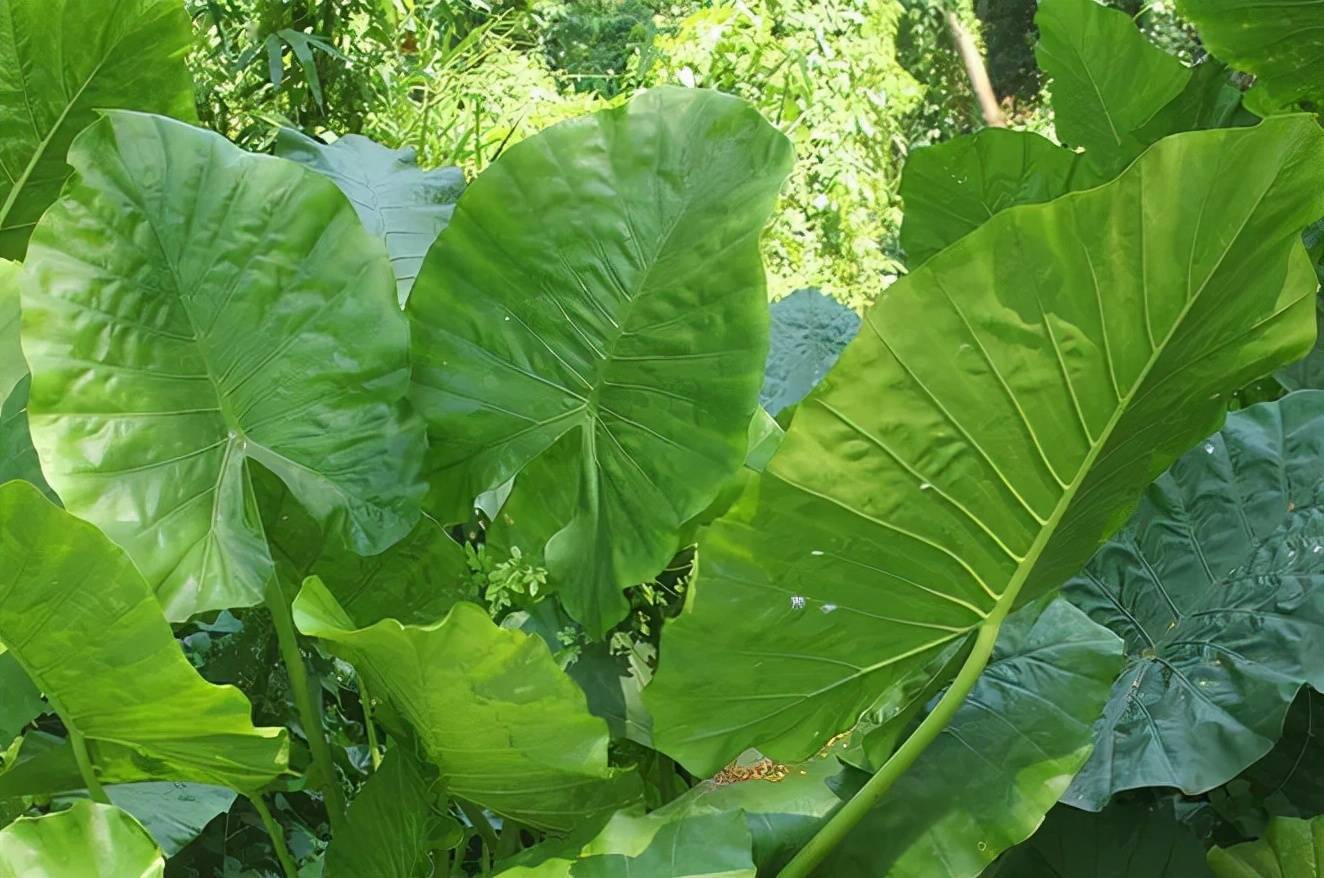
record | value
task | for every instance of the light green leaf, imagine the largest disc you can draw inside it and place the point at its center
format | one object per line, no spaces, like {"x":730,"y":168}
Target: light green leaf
{"x":86,"y":629}
{"x":806,"y":335}
{"x":405,"y":206}
{"x":952,"y":188}
{"x":1290,"y":848}
{"x":1217,"y":585}
{"x":506,"y":727}
{"x":86,"y":841}
{"x":996,"y":419}
{"x":190,"y":309}
{"x":393,"y":823}
{"x":595,"y":315}
{"x":12,"y":365}
{"x":60,"y":62}
{"x":1007,"y":756}
{"x":1107,"y":79}
{"x":1125,"y":841}
{"x":708,"y":845}
{"x":1282,"y":44}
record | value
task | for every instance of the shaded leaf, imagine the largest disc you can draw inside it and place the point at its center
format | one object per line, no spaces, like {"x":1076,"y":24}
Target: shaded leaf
{"x":60,"y":62}
{"x":80,"y":620}
{"x":86,"y":841}
{"x":1280,"y":43}
{"x":1309,"y":371}
{"x":807,"y":333}
{"x":20,"y":700}
{"x":12,"y":365}
{"x":594,"y":316}
{"x":397,"y":201}
{"x":1217,"y":586}
{"x":166,"y":356}
{"x":987,"y":781}
{"x":173,"y":813}
{"x":506,"y":727}
{"x":393,"y":822}
{"x":1124,"y":841}
{"x":997,"y":418}
{"x":18,"y":459}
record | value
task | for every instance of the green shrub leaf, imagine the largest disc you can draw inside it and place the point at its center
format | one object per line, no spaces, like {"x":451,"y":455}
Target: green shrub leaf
{"x":60,"y":62}
{"x":88,"y":632}
{"x":402,"y":204}
{"x":997,"y":417}
{"x":1217,"y":585}
{"x":189,"y":308}
{"x":506,"y":727}
{"x":595,"y":316}
{"x":807,"y":333}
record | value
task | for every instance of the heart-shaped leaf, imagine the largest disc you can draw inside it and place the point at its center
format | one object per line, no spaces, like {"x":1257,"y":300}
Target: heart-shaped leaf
{"x":1290,"y":848}
{"x":189,"y":308}
{"x":85,"y":841}
{"x":1217,"y":585}
{"x":595,"y":315}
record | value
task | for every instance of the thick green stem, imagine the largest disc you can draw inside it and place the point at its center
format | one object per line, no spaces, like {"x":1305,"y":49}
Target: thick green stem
{"x":374,"y":751}
{"x":277,"y":837}
{"x":94,"y":788}
{"x":480,"y":823}
{"x":310,"y":714}
{"x":841,"y":823}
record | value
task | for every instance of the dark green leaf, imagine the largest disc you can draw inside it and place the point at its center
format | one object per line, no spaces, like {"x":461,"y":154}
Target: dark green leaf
{"x":1007,"y":756}
{"x":807,"y":333}
{"x":18,"y":459}
{"x":594,"y":317}
{"x":1217,"y":586}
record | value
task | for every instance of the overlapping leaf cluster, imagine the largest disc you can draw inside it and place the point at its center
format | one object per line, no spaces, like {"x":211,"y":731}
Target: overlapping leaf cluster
{"x":1002,"y":547}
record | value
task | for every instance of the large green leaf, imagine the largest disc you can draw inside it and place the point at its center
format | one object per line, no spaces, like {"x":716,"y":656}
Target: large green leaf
{"x":1007,"y":756}
{"x":173,"y":813}
{"x":1282,"y":43}
{"x":508,"y":729}
{"x":89,"y":633}
{"x":189,"y":308}
{"x":996,"y":419}
{"x":595,"y":316}
{"x":85,"y":841}
{"x":1107,"y":79}
{"x":21,"y":702}
{"x":406,"y":206}
{"x":807,"y":333}
{"x":1307,"y":372}
{"x":1217,"y":586}
{"x":18,"y":459}
{"x":1125,"y":841}
{"x":952,"y":188}
{"x":705,"y":845}
{"x":60,"y":62}
{"x":393,"y":823}
{"x":1290,"y":848}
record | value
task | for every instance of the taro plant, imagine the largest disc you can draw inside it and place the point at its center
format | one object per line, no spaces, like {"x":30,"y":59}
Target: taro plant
{"x":364,"y":521}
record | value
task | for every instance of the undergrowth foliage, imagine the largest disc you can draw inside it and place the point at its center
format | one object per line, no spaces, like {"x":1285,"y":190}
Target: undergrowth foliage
{"x":365,"y":520}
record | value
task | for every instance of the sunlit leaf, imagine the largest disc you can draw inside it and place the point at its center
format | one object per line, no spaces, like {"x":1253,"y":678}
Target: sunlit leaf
{"x":86,"y":841}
